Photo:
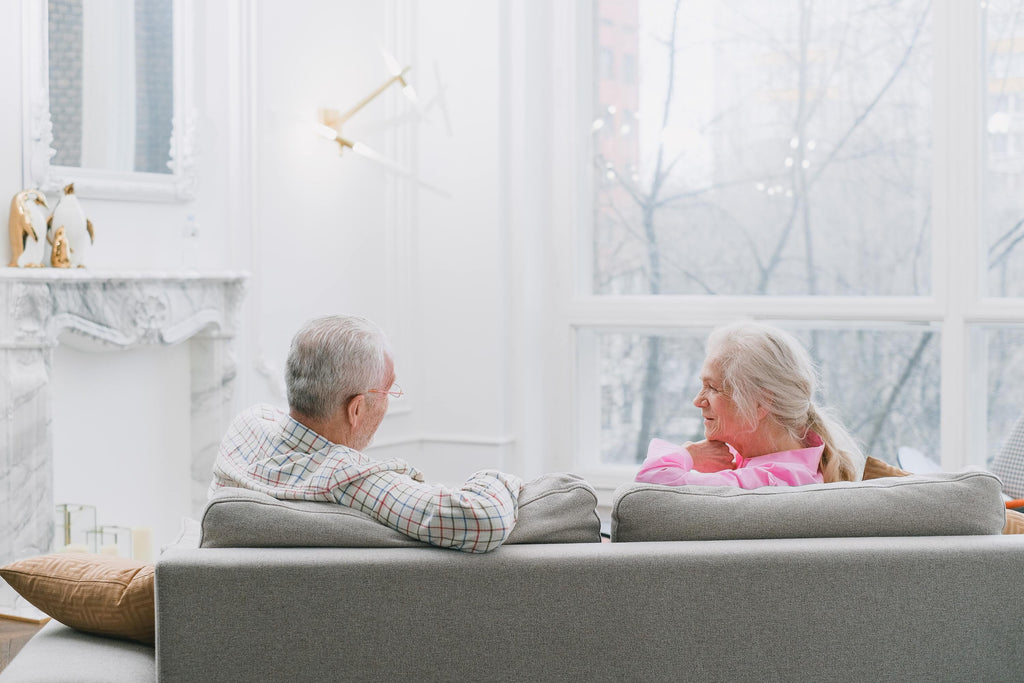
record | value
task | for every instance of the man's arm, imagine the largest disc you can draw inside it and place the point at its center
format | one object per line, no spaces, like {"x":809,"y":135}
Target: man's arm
{"x":476,"y":517}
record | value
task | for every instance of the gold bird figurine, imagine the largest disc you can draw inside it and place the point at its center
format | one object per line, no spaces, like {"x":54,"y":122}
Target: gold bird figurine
{"x":78,"y":230}
{"x":27,"y":226}
{"x":60,"y":257}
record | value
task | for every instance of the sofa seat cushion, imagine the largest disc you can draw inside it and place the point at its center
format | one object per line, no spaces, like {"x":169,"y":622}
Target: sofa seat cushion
{"x":940,"y":504}
{"x":60,"y":653}
{"x":554,"y":508}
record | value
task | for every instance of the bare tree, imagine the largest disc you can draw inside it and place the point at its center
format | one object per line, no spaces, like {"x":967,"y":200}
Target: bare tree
{"x":666,"y":206}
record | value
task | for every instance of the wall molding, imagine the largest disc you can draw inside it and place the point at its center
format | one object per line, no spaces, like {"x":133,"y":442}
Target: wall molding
{"x":243,"y":223}
{"x":401,"y":319}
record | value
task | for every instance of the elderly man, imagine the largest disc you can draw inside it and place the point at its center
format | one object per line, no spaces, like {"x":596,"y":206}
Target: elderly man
{"x":340,"y":376}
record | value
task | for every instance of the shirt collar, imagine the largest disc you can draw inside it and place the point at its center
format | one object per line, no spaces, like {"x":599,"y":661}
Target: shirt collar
{"x":298,"y":437}
{"x":809,"y":456}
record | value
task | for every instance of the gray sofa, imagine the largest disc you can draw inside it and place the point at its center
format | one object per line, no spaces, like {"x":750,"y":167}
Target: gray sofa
{"x":822,"y":603}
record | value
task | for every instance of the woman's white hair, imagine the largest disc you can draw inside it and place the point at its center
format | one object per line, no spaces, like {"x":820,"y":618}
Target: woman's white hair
{"x":333,"y":359}
{"x":764,"y":366}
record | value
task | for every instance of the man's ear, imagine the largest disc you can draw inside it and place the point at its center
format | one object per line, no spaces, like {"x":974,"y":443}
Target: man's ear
{"x":355,"y":410}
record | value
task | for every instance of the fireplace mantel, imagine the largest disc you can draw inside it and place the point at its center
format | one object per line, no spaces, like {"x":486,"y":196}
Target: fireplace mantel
{"x":102,"y":311}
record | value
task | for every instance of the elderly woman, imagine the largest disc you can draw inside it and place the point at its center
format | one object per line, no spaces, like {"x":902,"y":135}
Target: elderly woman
{"x":761,"y":426}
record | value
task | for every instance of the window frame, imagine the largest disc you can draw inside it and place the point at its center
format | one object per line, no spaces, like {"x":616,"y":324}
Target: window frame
{"x":548,"y":210}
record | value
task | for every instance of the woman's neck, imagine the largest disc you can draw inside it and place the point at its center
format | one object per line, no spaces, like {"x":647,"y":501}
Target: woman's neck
{"x":769,"y":437}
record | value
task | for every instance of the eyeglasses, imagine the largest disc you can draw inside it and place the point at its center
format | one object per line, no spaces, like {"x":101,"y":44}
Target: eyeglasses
{"x":395,"y":391}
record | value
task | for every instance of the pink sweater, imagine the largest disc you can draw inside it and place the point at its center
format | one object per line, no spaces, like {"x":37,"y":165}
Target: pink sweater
{"x":668,"y":463}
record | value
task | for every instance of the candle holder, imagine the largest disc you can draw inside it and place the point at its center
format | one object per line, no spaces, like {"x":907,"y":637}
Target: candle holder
{"x":76,"y":524}
{"x":109,"y":539}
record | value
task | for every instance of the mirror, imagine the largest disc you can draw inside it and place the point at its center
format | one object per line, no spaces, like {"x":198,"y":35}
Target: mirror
{"x":111,"y":79}
{"x":108,"y":103}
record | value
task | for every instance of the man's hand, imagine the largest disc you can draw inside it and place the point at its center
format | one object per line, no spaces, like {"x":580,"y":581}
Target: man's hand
{"x":710,"y":456}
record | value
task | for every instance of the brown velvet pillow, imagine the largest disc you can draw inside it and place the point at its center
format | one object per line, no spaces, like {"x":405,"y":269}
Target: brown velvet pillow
{"x":108,"y":595}
{"x":875,"y":468}
{"x":1014,"y":522}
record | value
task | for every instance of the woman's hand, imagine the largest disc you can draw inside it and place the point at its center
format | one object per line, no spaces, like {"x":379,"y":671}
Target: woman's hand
{"x":710,"y":456}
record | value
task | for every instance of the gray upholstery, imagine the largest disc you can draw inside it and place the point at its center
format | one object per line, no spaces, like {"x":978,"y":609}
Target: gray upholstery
{"x":59,"y":654}
{"x":850,"y":609}
{"x":554,"y":508}
{"x":940,"y":504}
{"x":557,"y":508}
{"x":241,"y":518}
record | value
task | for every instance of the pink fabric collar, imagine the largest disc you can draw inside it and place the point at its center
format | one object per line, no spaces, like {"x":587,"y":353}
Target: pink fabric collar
{"x":810,"y":457}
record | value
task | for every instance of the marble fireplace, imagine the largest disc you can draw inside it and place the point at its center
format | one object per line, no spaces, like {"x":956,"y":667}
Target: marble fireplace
{"x":103,"y":311}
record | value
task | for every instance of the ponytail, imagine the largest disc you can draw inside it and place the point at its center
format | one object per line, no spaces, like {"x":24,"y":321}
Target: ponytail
{"x":841,"y":460}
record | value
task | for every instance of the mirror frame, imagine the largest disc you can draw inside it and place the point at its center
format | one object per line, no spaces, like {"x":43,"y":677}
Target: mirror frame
{"x":37,"y":125}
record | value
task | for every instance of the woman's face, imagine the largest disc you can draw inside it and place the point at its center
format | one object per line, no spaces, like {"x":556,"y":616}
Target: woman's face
{"x":722,"y":421}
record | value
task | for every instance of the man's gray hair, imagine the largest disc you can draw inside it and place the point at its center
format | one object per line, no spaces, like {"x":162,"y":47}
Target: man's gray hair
{"x":331,"y":360}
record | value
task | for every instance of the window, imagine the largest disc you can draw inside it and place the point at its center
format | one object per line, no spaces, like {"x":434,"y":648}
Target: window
{"x":1001,"y":352}
{"x":773,"y":161}
{"x":880,"y":380}
{"x":629,"y":69}
{"x":1004,"y":168}
{"x":607,"y":64}
{"x":803,"y":164}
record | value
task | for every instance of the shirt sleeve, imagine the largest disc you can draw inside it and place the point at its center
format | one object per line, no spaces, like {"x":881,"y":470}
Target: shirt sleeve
{"x":672,"y":465}
{"x":665,"y":464}
{"x":744,"y":478}
{"x":475,"y":518}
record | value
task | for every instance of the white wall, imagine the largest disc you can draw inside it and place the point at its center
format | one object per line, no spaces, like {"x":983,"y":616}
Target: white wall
{"x":319,"y":233}
{"x":318,"y":230}
{"x":461,"y":266}
{"x":113,"y":453}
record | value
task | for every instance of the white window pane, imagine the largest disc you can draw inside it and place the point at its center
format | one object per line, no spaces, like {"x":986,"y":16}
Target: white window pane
{"x":1004,"y":361}
{"x":882,"y":384}
{"x":1004,"y":148}
{"x":647,"y":384}
{"x":784,"y":149}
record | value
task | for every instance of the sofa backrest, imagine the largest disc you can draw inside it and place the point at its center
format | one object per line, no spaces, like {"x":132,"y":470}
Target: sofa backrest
{"x":553,"y":508}
{"x":808,"y":609}
{"x":942,"y":504}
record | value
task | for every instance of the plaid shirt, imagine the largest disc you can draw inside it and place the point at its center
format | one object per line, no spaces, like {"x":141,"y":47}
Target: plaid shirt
{"x":266,"y":450}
